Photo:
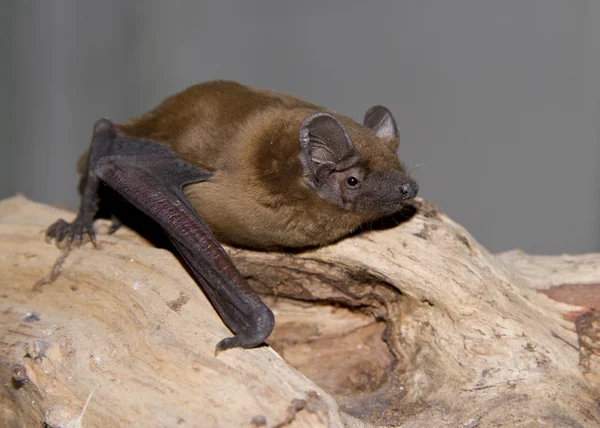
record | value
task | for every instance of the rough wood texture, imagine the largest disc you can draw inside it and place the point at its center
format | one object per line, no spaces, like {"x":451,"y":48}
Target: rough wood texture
{"x":415,"y":325}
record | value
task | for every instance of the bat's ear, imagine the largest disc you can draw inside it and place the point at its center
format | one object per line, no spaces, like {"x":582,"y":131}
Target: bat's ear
{"x":382,"y":122}
{"x":325,"y":146}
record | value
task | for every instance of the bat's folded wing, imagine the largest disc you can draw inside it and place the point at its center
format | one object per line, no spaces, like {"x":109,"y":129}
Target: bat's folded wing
{"x":150,"y":176}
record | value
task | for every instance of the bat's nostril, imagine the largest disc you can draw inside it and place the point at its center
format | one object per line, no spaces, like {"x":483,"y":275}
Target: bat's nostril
{"x":409,"y":190}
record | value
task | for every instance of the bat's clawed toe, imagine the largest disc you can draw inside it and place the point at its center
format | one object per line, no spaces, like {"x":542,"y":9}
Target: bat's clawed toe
{"x":70,"y":235}
{"x":56,"y":231}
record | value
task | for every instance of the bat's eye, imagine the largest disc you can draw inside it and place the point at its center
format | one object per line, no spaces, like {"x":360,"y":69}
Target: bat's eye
{"x":352,"y":181}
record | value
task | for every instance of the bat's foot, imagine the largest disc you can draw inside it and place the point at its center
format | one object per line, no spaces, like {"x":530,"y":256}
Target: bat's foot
{"x":69,"y":235}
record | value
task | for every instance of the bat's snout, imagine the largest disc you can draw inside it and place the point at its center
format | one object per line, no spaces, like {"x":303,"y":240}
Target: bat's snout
{"x":408,"y":190}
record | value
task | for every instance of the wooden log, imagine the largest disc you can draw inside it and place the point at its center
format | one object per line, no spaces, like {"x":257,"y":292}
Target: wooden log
{"x":415,"y":325}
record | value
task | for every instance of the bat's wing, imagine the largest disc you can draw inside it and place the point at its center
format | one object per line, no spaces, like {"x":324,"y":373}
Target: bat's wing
{"x":149,"y":175}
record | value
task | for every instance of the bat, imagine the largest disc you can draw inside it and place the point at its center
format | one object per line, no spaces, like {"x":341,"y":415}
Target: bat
{"x":223,"y":162}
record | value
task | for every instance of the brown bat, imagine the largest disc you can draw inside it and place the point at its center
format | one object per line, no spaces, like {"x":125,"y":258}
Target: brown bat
{"x":256,"y":168}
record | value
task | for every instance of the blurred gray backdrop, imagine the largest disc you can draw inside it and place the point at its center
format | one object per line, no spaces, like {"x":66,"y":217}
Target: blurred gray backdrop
{"x":498,"y":102}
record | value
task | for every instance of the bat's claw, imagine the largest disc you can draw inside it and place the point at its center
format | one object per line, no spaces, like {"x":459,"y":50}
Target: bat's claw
{"x":70,"y":235}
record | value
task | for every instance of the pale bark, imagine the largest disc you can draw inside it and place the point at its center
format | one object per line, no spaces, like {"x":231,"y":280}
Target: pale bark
{"x":415,"y":325}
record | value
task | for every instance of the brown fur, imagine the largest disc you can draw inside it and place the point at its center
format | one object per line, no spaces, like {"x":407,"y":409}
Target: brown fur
{"x":249,"y":139}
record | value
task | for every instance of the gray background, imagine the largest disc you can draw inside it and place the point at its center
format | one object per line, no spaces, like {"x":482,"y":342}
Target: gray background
{"x":497,"y":101}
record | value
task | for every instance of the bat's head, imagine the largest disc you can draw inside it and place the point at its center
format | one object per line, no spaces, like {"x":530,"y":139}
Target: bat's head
{"x":361,"y":173}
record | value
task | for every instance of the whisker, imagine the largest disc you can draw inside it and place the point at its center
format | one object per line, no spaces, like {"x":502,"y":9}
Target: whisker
{"x":415,"y":168}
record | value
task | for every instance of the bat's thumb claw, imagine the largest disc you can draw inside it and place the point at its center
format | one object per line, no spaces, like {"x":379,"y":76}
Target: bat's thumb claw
{"x":238,"y":341}
{"x":250,"y":337}
{"x":227,"y":343}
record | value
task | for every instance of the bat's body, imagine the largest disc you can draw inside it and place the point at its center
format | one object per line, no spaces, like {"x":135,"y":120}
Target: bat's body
{"x":269,"y":170}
